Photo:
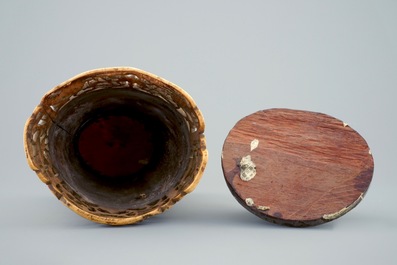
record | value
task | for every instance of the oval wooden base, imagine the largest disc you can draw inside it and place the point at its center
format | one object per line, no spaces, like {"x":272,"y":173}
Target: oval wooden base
{"x":296,"y":168}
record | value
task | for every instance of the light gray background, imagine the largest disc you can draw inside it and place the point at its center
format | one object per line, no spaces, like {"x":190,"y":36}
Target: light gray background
{"x":234,"y":58}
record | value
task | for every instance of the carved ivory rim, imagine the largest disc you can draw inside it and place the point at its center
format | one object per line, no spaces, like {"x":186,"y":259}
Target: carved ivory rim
{"x":33,"y":161}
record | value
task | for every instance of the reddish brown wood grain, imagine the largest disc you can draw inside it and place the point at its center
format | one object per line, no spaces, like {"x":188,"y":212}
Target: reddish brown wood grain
{"x":309,"y":168}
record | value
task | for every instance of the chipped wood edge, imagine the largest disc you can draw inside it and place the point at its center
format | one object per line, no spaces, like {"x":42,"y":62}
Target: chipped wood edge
{"x":333,"y":216}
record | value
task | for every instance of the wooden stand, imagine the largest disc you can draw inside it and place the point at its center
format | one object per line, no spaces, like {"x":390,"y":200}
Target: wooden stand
{"x":296,"y":168}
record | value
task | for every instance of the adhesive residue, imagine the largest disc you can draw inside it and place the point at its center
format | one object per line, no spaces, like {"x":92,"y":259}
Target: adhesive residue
{"x":247,"y":168}
{"x":254,"y":144}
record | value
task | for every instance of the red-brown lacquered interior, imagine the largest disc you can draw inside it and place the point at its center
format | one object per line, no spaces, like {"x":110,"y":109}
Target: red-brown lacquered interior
{"x":115,"y":145}
{"x":121,"y":149}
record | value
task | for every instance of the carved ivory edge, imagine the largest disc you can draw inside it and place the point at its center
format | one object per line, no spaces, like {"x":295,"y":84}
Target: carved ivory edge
{"x":344,"y":210}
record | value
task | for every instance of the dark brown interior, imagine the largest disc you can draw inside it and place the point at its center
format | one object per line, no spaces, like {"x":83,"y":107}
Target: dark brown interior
{"x":120,"y":149}
{"x":118,"y":144}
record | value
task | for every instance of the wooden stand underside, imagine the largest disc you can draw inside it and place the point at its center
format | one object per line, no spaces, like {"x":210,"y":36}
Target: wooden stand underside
{"x":296,"y":168}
